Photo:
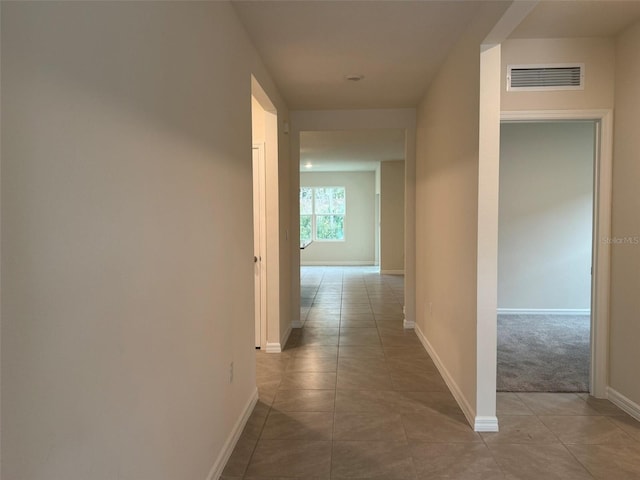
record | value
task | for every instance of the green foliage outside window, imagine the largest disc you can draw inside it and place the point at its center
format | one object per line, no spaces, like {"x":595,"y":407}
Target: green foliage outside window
{"x":322,"y":211}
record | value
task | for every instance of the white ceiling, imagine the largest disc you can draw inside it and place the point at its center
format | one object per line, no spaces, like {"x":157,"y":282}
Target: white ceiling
{"x":349,"y":150}
{"x":309,"y":46}
{"x":567,"y":19}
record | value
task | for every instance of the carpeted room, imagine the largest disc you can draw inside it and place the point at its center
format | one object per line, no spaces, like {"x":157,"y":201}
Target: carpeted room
{"x":544,"y":256}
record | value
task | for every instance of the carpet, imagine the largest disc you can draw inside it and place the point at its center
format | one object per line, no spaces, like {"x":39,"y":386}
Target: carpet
{"x":543,"y":353}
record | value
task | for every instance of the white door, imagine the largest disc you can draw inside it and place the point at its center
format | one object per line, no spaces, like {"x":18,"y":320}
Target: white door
{"x":259,"y":224}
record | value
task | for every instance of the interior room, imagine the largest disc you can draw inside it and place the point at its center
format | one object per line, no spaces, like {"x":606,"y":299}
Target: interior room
{"x":159,"y":319}
{"x":544,"y":256}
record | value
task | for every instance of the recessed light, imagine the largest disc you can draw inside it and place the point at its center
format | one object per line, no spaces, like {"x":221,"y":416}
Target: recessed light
{"x":308,"y":165}
{"x":354,"y":77}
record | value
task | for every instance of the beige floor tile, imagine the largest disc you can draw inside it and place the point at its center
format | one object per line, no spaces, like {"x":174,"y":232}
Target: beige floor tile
{"x":459,"y":461}
{"x":538,"y":462}
{"x":628,"y":424}
{"x":372,"y":461}
{"x":520,"y":429}
{"x":364,"y":351}
{"x":315,"y":351}
{"x":362,"y":401}
{"x":308,"y":380}
{"x":361,"y":379}
{"x":556,"y":404}
{"x":609,"y":462}
{"x":313,"y":364}
{"x":298,"y":426}
{"x":510,"y":404}
{"x":418,"y":382}
{"x":586,"y":430}
{"x":422,"y":402}
{"x":239,"y":459}
{"x":603,"y":406}
{"x":319,"y":340}
{"x":304,"y":401}
{"x":438,"y":428}
{"x":355,"y":338}
{"x":291,"y":458}
{"x":382,"y":427}
{"x":357,"y":323}
{"x":362,"y":364}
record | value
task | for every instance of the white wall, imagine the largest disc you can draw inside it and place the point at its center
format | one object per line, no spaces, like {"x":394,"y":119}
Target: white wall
{"x":126,"y":237}
{"x":625,"y":257}
{"x":392,"y":216}
{"x":545,"y":222}
{"x":447,"y":155}
{"x":358,"y":246}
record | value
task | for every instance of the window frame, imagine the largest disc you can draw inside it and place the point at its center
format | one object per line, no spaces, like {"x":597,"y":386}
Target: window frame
{"x":314,"y":215}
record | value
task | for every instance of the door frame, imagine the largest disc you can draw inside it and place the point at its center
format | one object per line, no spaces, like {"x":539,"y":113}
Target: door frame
{"x":260,"y":256}
{"x":601,"y":249}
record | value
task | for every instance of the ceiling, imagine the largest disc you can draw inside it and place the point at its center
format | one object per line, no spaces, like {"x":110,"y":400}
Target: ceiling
{"x":309,"y":47}
{"x":349,"y":150}
{"x":566,"y":19}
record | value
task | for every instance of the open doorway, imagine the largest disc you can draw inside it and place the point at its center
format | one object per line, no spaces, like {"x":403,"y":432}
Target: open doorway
{"x":545,"y":252}
{"x":352,"y":205}
{"x":264,"y":133}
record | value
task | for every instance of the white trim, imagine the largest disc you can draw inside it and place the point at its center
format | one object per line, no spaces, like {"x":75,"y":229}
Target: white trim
{"x":392,"y":272}
{"x":296,"y":324}
{"x":337,"y":263}
{"x":468,"y":411}
{"x":276,"y":347}
{"x":626,"y":404}
{"x":486,"y":424}
{"x":601,"y":263}
{"x":232,"y":439}
{"x":544,"y":311}
{"x":408,"y":324}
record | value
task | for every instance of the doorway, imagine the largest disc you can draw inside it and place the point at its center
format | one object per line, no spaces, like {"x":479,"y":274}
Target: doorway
{"x":546,"y":211}
{"x":352,"y":202}
{"x":601,"y":250}
{"x":267,"y":236}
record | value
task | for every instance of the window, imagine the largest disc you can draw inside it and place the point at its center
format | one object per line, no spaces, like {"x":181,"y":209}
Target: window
{"x":322,"y":211}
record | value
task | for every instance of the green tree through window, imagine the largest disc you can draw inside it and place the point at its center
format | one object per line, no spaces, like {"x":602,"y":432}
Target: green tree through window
{"x":322,"y":212}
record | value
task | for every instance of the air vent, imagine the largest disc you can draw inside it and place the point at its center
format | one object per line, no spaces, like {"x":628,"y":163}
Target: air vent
{"x":545,"y":77}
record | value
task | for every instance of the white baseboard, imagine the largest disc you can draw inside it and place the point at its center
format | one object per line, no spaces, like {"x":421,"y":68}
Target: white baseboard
{"x":339,"y":263}
{"x":392,"y":272}
{"x":273,"y":347}
{"x":408,"y":324}
{"x":230,"y":444}
{"x":468,"y":411}
{"x":486,"y":424}
{"x":624,"y":403}
{"x":276,"y":347}
{"x":544,"y":311}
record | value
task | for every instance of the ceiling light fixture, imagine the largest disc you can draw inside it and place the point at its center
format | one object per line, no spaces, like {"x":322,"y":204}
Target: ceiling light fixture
{"x":354,"y":77}
{"x":308,"y":165}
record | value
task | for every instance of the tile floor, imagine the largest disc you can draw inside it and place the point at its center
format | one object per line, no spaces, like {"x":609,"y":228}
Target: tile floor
{"x":354,"y":396}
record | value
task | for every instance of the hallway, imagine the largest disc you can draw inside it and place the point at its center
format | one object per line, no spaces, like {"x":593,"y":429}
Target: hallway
{"x":354,"y":395}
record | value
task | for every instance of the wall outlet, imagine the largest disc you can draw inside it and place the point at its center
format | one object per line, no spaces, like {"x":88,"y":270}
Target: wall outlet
{"x":231,"y":372}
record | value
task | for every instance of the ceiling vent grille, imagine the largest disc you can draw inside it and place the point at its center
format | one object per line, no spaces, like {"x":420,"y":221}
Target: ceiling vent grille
{"x":545,"y":77}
